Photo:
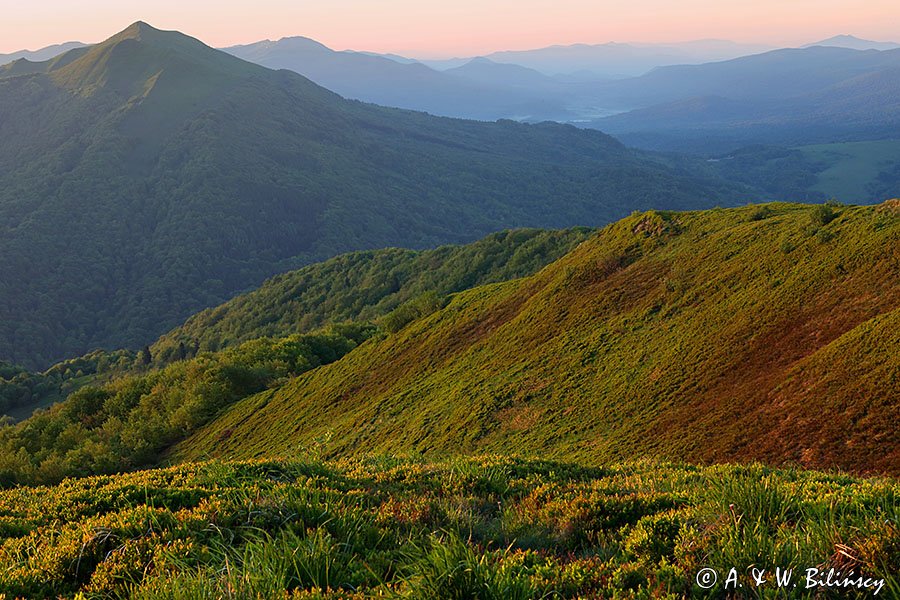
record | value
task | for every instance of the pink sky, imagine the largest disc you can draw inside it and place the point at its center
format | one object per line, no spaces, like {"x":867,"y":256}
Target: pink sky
{"x":426,"y":28}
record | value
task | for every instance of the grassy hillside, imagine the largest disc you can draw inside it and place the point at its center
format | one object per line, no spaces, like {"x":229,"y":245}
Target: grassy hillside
{"x":124,"y":408}
{"x":487,"y":528}
{"x":183,"y":175}
{"x":762,"y":333}
{"x":767,"y":332}
{"x":366,"y":285}
{"x":863,"y":170}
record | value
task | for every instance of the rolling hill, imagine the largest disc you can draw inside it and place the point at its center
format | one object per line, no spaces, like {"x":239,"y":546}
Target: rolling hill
{"x":365,"y":286}
{"x":150,"y":176}
{"x":762,"y":333}
{"x":358,"y":287}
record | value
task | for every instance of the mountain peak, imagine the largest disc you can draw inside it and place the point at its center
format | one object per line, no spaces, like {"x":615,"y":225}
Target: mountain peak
{"x":846,"y":37}
{"x":139,"y":30}
{"x":846,"y":40}
{"x":131,"y":61}
{"x":145,"y":33}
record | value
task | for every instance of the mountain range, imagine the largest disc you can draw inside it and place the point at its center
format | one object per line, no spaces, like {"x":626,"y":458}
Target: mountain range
{"x":42,"y":54}
{"x":149,"y":176}
{"x":729,"y":93}
{"x":821,"y":93}
{"x":793,"y":96}
{"x":480,"y":89}
{"x":613,"y":60}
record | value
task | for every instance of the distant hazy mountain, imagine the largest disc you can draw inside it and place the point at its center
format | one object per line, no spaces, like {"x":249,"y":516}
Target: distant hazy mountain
{"x":778,"y":74}
{"x":40,"y":55}
{"x":486,"y":71}
{"x":394,"y":57}
{"x":476,"y":91}
{"x":614,"y":60}
{"x":149,"y":176}
{"x":816,"y":94}
{"x":855,"y":43}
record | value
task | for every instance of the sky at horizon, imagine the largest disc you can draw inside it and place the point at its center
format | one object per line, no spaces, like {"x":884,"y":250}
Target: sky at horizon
{"x":428,"y":29}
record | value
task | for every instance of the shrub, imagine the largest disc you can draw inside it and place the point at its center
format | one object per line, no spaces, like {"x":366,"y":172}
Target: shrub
{"x":418,"y":307}
{"x":761,"y":213}
{"x":823,"y":214}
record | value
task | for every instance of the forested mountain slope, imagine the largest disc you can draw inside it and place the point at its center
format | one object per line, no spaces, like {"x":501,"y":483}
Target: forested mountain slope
{"x":150,"y":176}
{"x":764,"y":332}
{"x":365,"y":286}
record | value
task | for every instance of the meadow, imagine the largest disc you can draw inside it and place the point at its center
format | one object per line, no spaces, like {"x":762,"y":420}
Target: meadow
{"x":853,"y":170}
{"x":480,"y":527}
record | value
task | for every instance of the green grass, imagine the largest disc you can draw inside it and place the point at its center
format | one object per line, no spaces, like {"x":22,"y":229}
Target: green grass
{"x":852,"y":167}
{"x":724,"y":335}
{"x":487,"y":527}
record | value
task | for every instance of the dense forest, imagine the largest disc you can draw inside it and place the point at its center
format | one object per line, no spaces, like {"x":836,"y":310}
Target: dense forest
{"x":21,"y":391}
{"x":129,"y":422}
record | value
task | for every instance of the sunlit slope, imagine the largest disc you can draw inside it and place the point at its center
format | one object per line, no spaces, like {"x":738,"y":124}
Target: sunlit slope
{"x":755,"y":333}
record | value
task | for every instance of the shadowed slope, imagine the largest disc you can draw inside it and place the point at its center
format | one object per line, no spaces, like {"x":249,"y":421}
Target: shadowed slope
{"x":150,"y":176}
